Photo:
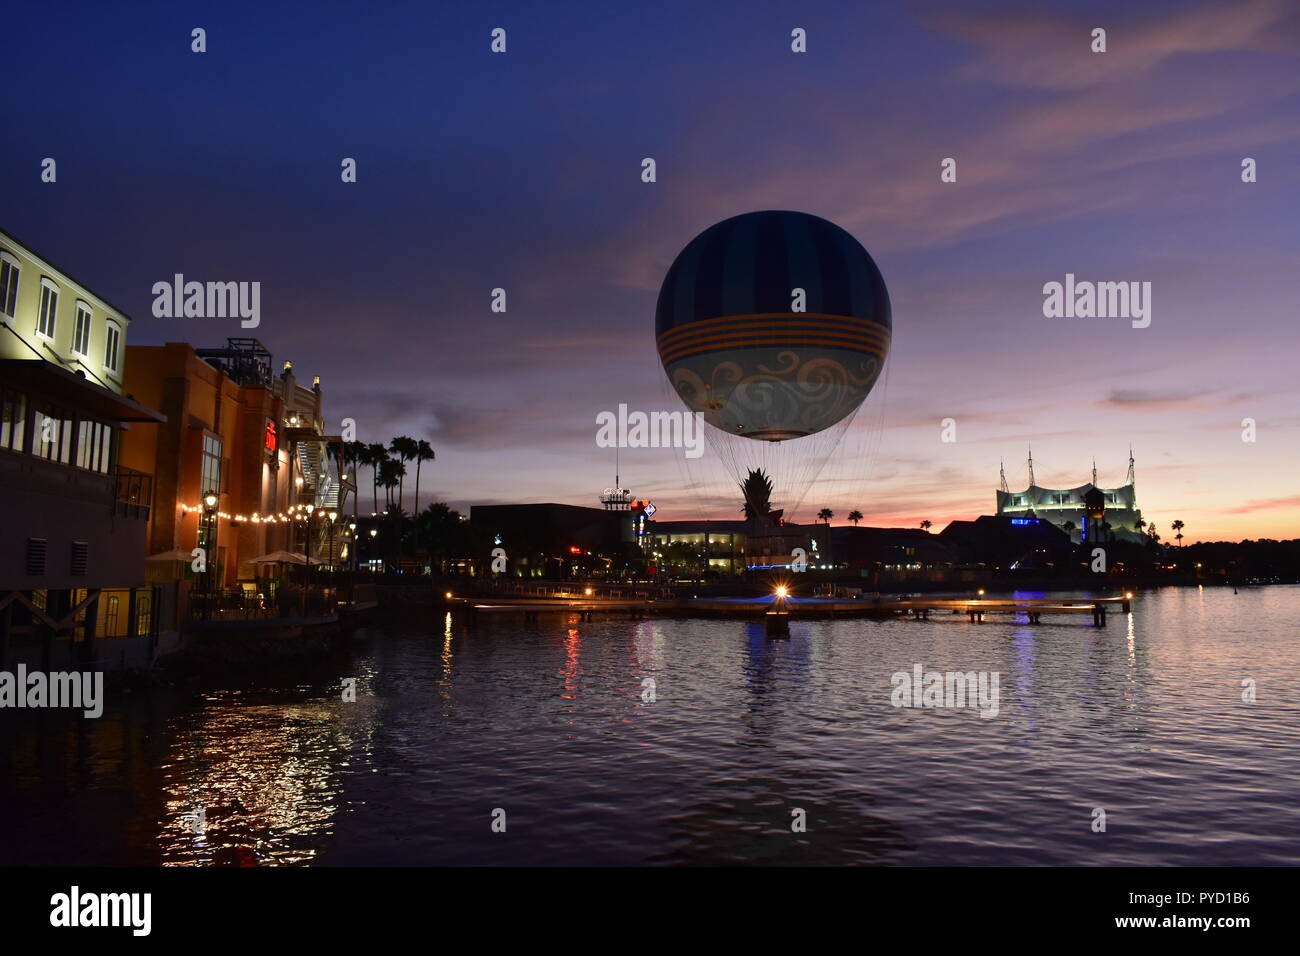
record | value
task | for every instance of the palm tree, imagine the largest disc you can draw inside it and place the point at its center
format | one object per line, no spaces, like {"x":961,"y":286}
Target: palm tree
{"x":1068,"y":528}
{"x":355,"y":454}
{"x":423,"y":453}
{"x":404,"y":448}
{"x":826,"y":515}
{"x":1139,"y":525}
{"x":757,"y":489}
{"x":926,"y":524}
{"x":1178,"y":526}
{"x":376,"y":455}
{"x":855,"y":516}
{"x":391,"y":473}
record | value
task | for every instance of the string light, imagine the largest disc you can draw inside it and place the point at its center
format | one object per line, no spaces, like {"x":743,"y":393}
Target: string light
{"x":294,"y":513}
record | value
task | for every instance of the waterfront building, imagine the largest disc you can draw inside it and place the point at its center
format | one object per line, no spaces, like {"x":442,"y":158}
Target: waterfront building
{"x":733,"y":547}
{"x":252,"y":442}
{"x":890,"y":554}
{"x":558,"y":541}
{"x":1067,"y":508}
{"x":72,"y":515}
{"x":715,"y":547}
{"x":1006,"y":542}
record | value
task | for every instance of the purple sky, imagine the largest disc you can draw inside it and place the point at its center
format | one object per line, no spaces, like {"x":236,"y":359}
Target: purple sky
{"x":522,"y":171}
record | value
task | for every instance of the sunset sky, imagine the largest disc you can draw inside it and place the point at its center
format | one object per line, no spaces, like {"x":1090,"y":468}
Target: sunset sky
{"x":522,"y":170}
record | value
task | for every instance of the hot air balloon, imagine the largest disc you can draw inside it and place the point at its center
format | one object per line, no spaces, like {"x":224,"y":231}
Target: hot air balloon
{"x":774,"y":325}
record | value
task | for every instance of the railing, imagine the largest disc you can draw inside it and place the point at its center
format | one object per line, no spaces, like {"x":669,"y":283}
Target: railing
{"x":573,"y":590}
{"x":133,"y":493}
{"x":239,"y":605}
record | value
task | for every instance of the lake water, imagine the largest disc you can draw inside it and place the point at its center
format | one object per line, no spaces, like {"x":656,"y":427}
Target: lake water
{"x":1143,"y":719}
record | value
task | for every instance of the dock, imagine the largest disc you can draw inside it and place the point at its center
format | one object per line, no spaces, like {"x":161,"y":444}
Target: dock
{"x":767,"y":608}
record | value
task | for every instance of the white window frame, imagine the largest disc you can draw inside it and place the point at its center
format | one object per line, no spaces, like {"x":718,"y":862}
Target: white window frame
{"x":13,"y":264}
{"x":112,"y":346}
{"x":47,"y":284}
{"x":81,"y":308}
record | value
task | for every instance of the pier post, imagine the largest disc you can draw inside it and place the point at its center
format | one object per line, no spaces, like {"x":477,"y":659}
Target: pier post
{"x":777,"y":620}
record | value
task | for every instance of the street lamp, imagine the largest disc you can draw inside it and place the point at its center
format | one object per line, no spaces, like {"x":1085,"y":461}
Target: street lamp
{"x":333,"y":516}
{"x":210,"y":545}
{"x":310,"y":509}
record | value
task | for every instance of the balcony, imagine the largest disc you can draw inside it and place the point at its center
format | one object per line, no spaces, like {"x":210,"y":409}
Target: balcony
{"x":133,"y":493}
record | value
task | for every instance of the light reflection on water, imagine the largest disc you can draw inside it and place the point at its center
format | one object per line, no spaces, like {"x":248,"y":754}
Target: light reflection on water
{"x":547,"y":720}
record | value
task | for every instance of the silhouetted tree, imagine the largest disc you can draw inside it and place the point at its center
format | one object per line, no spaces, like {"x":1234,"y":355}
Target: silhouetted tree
{"x":757,"y":489}
{"x":423,"y":453}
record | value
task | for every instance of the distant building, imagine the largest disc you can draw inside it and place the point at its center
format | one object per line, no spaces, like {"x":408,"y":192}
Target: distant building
{"x":719,"y":546}
{"x":894,"y":553}
{"x":72,"y":517}
{"x":556,"y":541}
{"x":1066,"y":508}
{"x":254,"y":439}
{"x":1004,"y":542}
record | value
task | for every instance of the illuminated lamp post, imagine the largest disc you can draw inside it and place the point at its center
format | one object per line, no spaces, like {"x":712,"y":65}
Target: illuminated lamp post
{"x":311,"y":510}
{"x":333,"y":516}
{"x":210,"y":542}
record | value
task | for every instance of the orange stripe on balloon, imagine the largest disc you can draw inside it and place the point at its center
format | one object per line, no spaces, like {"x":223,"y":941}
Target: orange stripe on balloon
{"x":766,"y":319}
{"x":856,"y":345}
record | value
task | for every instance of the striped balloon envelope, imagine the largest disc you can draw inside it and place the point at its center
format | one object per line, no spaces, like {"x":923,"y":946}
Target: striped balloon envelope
{"x":774,"y":325}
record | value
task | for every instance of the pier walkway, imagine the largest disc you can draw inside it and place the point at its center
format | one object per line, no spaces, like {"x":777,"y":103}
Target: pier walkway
{"x":976,"y":609}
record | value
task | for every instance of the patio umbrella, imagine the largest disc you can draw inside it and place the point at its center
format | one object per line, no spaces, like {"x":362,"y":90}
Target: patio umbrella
{"x":280,"y":557}
{"x":176,"y":554}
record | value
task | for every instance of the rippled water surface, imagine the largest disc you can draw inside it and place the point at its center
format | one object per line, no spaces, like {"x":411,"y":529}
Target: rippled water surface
{"x":1143,"y":719}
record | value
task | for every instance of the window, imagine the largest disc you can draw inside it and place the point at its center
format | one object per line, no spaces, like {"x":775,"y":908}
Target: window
{"x":94,"y":446}
{"x":144,"y":612}
{"x":8,"y":283}
{"x":210,"y":475}
{"x":81,"y":335}
{"x":49,"y":308}
{"x":13,"y":419}
{"x":53,"y":434}
{"x":110,"y":348}
{"x":110,"y":609}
